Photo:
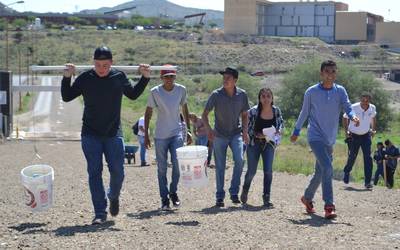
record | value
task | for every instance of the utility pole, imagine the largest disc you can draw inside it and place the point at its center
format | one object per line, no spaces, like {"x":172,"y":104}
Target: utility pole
{"x":7,"y":45}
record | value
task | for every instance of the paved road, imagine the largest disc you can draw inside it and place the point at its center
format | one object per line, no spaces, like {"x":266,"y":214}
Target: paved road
{"x":50,"y":116}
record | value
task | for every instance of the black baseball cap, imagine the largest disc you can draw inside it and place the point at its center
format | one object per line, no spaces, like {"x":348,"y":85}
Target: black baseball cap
{"x":231,"y":71}
{"x":102,"y":53}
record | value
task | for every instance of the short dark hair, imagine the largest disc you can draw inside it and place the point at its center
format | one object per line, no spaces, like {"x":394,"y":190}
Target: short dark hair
{"x":387,"y":142}
{"x":327,"y":63}
{"x":366,"y":94}
{"x":379,"y":144}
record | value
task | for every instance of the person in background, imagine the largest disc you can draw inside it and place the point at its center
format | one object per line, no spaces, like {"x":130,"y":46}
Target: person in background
{"x":391,"y":155}
{"x":360,"y":136}
{"x":140,"y":135}
{"x":168,"y":98}
{"x":263,"y":115}
{"x":379,"y":155}
{"x":102,"y":89}
{"x":322,"y":105}
{"x":200,"y":131}
{"x":230,"y":104}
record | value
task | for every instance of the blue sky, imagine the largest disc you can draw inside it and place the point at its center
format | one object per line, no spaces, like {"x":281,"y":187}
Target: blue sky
{"x":390,"y":9}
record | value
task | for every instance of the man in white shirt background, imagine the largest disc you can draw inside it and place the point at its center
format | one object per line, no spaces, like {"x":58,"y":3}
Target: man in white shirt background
{"x":360,"y":136}
{"x":141,"y":131}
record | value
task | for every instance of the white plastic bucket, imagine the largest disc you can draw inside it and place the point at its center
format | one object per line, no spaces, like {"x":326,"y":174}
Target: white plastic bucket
{"x":192,"y":166}
{"x":38,"y":187}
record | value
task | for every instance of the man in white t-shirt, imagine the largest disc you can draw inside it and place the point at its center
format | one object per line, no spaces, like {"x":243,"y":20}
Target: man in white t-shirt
{"x":167,"y":98}
{"x":360,"y":136}
{"x":140,"y":135}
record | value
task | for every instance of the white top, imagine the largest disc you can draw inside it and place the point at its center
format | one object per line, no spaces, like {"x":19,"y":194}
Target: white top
{"x":168,"y":105}
{"x":141,"y":124}
{"x":365,"y":116}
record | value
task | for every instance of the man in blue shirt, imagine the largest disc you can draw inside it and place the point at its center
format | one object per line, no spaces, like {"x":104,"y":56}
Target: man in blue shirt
{"x":322,"y":105}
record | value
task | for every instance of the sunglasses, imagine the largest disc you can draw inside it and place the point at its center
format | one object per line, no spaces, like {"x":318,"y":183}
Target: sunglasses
{"x":169,"y":76}
{"x":331,"y":71}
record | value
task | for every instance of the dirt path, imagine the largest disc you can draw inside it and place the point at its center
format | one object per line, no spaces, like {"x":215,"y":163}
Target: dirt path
{"x":367,"y":219}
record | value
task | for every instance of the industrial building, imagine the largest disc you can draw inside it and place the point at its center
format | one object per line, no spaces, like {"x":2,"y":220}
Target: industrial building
{"x":388,"y":33}
{"x":353,"y":27}
{"x":328,"y":20}
{"x":307,"y":19}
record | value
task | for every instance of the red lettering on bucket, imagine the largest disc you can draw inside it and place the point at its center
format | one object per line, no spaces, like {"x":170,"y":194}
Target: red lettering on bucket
{"x":30,"y":198}
{"x":44,"y":196}
{"x":187,"y":178}
{"x":197,"y":172}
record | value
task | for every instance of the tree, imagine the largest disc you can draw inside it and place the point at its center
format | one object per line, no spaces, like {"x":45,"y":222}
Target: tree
{"x":356,"y":82}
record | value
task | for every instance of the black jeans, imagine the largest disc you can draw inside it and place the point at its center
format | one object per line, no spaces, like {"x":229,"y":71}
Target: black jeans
{"x":357,"y":141}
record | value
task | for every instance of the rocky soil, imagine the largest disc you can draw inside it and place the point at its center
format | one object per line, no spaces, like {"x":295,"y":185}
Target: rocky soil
{"x":366,"y":219}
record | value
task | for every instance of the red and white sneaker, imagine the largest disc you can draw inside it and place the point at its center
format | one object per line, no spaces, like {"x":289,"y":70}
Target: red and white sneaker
{"x":308,"y":204}
{"x":330,"y":212}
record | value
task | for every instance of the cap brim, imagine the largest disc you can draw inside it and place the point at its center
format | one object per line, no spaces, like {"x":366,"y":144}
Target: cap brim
{"x":169,"y":74}
{"x":222,"y":72}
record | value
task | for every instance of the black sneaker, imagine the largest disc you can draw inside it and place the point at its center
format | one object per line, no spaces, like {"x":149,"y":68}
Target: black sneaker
{"x":114,"y":207}
{"x":165,"y":205}
{"x":220,"y":203}
{"x":266,"y":202}
{"x":99,"y":220}
{"x":346,"y":178}
{"x":243,"y":196}
{"x":235,"y":199}
{"x":175,"y":199}
{"x":144,"y":164}
{"x":368,"y":186}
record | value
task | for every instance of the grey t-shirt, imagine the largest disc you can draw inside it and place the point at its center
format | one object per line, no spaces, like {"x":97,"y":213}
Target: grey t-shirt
{"x":228,"y":110}
{"x":167,"y":104}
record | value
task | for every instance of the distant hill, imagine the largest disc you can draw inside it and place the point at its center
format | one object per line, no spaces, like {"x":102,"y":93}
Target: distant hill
{"x":164,"y":8}
{"x":5,"y":10}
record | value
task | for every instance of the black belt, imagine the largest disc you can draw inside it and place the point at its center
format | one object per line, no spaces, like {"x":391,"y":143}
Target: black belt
{"x":358,"y":134}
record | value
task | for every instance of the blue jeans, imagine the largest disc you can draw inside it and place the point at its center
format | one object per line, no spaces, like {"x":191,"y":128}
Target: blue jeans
{"x":267,"y":152}
{"x":202,"y":140}
{"x":323,"y":172}
{"x":220,"y":148}
{"x":113,"y":149}
{"x":363,"y":141}
{"x":162,"y":148}
{"x":142,"y":149}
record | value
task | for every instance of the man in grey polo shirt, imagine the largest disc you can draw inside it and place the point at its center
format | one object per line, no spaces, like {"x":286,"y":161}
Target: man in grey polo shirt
{"x":230,"y":103}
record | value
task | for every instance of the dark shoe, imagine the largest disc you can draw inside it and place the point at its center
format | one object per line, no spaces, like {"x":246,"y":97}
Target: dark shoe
{"x":144,"y":164}
{"x":220,"y":203}
{"x":114,"y":207}
{"x":330,"y":212}
{"x":375,"y":182}
{"x":346,"y":178}
{"x":175,"y":199}
{"x":99,"y":220}
{"x":243,"y":196}
{"x":266,"y":202}
{"x":308,"y":204}
{"x":368,"y":186}
{"x":165,"y":205}
{"x":235,"y":199}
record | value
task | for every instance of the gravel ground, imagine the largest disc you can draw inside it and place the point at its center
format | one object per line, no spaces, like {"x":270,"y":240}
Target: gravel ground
{"x":366,"y":219}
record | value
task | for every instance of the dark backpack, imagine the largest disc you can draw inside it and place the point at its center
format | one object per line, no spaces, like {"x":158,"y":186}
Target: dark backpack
{"x":135,"y":128}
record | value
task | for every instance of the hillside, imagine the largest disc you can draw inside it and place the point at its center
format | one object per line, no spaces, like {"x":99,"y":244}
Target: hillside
{"x":164,"y":8}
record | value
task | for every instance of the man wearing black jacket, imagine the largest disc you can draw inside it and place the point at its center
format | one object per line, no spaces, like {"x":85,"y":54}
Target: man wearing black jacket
{"x":102,"y":88}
